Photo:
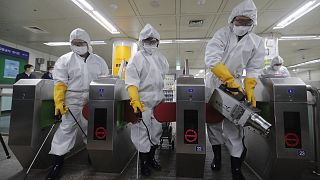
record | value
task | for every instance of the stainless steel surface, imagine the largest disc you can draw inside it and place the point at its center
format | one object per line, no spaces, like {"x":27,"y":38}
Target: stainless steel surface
{"x":30,"y":98}
{"x":115,"y":150}
{"x":289,"y":149}
{"x":26,"y":135}
{"x":316,"y":122}
{"x":190,"y":104}
{"x":186,"y":67}
{"x":238,"y":112}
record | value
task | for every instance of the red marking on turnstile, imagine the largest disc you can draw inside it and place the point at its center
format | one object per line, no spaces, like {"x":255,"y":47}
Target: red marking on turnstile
{"x":190,"y":136}
{"x":291,"y":139}
{"x":101,"y":133}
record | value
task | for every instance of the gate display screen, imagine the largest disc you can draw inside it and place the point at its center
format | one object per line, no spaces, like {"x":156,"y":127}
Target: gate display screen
{"x":100,"y":124}
{"x":190,"y":126}
{"x":292,"y":129}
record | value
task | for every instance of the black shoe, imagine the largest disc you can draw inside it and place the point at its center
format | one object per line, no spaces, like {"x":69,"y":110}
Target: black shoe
{"x":145,"y":170}
{"x":151,"y":159}
{"x":236,"y":168}
{"x":216,"y":162}
{"x":56,"y":168}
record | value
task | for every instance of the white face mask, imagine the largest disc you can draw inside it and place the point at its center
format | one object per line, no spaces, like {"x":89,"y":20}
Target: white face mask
{"x":150,"y":49}
{"x":241,"y":30}
{"x":276,"y":68}
{"x":80,"y":50}
{"x":51,"y":71}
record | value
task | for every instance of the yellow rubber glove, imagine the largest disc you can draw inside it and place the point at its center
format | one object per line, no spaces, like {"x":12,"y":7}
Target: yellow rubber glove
{"x":222,"y":72}
{"x":59,"y":92}
{"x":249,"y":85}
{"x":135,"y":99}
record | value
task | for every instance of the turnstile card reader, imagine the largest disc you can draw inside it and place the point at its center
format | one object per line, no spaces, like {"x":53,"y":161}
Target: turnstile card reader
{"x":191,"y":137}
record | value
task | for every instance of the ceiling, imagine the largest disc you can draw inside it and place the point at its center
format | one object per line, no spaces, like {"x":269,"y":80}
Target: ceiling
{"x":170,"y":18}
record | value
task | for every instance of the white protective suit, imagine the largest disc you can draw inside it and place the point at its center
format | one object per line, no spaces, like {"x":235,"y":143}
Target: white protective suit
{"x":147,"y":71}
{"x":248,"y":54}
{"x":72,"y":70}
{"x":273,"y":71}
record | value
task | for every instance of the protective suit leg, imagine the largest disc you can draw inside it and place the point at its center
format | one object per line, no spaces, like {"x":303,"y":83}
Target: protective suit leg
{"x":139,"y":133}
{"x":56,"y":168}
{"x":216,"y":162}
{"x":142,"y":141}
{"x":233,"y":135}
{"x":215,"y":133}
{"x":66,"y":134}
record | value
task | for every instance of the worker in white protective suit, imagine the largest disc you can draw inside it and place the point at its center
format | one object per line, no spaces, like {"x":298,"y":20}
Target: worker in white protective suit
{"x":144,"y":81}
{"x":232,"y":49}
{"x":72,"y":75}
{"x":276,"y":68}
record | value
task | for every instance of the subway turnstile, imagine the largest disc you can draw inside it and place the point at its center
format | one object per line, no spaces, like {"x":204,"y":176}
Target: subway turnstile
{"x":190,"y":135}
{"x":109,"y":144}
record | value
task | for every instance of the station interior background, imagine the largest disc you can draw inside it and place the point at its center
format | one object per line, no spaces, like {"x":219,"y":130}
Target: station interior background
{"x":185,"y":27}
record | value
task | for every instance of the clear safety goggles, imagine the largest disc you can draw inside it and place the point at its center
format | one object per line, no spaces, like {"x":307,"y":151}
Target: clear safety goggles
{"x":78,"y":42}
{"x":242,"y":21}
{"x":150,"y":41}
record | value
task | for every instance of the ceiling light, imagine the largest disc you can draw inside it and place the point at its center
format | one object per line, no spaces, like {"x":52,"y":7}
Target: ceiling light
{"x":197,"y":74}
{"x":312,"y":37}
{"x":86,"y":7}
{"x":305,"y":63}
{"x":297,"y":14}
{"x":68,"y":43}
{"x":178,"y":67}
{"x":187,"y":40}
{"x":201,"y":71}
{"x":172,"y":41}
{"x":57,"y":43}
{"x":165,"y":41}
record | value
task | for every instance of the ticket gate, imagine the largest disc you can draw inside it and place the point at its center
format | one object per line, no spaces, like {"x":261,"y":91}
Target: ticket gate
{"x":109,"y":144}
{"x":289,"y":149}
{"x":31,"y":118}
{"x":31,"y":115}
{"x":190,"y":134}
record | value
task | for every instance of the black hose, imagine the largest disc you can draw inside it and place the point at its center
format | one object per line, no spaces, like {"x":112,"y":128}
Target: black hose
{"x":139,"y":114}
{"x":147,"y":132}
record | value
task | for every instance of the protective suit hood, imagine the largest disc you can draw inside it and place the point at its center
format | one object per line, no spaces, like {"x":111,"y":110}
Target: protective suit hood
{"x":276,"y":60}
{"x":246,"y":8}
{"x":80,"y":34}
{"x":148,"y":31}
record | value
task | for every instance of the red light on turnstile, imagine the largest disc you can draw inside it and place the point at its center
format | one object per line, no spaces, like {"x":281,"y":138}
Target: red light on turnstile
{"x":100,"y":133}
{"x":190,"y":135}
{"x":292,"y":140}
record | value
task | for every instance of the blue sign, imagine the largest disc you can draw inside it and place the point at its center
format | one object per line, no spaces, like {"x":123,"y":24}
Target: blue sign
{"x":13,"y":52}
{"x":101,"y":92}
